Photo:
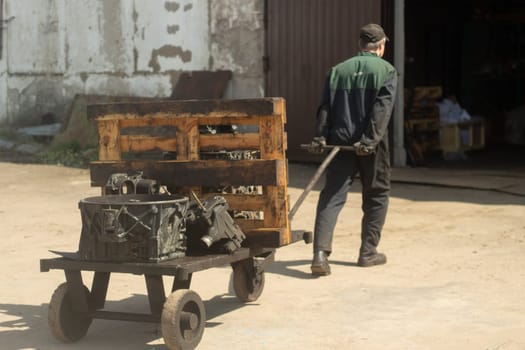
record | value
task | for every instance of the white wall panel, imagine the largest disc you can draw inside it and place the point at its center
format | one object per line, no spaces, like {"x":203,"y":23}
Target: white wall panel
{"x":54,"y":49}
{"x":35,"y":36}
{"x":99,"y":36}
{"x":171,"y":35}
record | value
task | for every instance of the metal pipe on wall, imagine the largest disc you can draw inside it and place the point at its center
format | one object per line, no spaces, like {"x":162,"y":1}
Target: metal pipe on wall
{"x":399,"y":159}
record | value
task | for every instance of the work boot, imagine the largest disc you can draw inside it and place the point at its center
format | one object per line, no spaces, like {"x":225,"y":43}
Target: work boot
{"x":372,"y":260}
{"x":320,"y":265}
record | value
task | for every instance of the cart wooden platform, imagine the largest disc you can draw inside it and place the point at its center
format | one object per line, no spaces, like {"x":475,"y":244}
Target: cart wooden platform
{"x":131,"y":136}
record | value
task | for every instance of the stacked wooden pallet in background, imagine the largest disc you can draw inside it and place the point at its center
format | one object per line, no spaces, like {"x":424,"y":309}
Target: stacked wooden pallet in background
{"x":422,"y":121}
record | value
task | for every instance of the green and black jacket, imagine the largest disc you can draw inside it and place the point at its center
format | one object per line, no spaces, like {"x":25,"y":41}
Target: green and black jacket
{"x":358,"y":97}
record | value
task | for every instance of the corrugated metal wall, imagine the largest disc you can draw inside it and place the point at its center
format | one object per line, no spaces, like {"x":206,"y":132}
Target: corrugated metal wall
{"x":304,"y":39}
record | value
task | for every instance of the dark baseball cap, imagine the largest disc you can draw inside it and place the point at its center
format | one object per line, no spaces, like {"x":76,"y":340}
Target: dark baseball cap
{"x":372,"y":33}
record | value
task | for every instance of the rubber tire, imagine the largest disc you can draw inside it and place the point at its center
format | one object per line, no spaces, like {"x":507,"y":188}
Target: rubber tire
{"x":65,"y":324}
{"x":246,"y":288}
{"x":175,"y":338}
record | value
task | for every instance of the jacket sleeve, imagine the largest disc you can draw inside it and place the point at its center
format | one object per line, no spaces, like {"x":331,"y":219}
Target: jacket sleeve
{"x":381,"y":111}
{"x":323,"y":111}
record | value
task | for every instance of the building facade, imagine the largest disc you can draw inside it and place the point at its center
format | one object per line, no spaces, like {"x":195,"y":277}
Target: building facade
{"x":54,"y":49}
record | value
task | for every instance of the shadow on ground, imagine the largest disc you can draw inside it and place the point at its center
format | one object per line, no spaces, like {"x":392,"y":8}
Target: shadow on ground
{"x":289,"y":268}
{"x":28,"y":327}
{"x":501,"y":162}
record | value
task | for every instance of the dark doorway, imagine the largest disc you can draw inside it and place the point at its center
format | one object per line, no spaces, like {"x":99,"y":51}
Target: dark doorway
{"x":474,"y":50}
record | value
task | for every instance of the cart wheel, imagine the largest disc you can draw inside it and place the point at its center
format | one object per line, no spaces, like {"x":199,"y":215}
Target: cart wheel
{"x":183,"y":319}
{"x":247,"y":283}
{"x":66,"y":324}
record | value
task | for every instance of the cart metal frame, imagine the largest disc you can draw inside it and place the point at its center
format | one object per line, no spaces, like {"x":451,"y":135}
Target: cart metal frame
{"x":181,"y":269}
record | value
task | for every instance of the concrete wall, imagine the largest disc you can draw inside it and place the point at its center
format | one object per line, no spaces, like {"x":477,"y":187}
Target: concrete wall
{"x":54,"y":49}
{"x":237,"y":43}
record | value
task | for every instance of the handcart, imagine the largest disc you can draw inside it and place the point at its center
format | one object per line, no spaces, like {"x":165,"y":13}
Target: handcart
{"x":167,"y":141}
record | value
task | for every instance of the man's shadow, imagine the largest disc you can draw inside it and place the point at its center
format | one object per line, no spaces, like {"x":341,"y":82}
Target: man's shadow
{"x":290,"y":268}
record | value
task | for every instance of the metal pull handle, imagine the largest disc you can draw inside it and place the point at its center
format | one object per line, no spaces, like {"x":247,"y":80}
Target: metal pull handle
{"x":314,"y":180}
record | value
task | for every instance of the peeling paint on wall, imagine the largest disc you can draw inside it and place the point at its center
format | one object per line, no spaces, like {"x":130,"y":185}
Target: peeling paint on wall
{"x":247,"y":14}
{"x":172,"y":40}
{"x":173,"y":29}
{"x":171,"y":6}
{"x":223,"y":58}
{"x":168,"y":51}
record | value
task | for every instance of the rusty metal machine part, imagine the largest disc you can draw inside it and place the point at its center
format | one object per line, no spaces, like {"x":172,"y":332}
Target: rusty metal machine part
{"x":134,"y":227}
{"x":112,"y":224}
{"x":121,"y":183}
{"x":210,"y":226}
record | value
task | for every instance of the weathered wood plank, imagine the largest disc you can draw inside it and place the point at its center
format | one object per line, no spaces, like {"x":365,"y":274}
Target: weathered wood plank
{"x":207,"y":143}
{"x":194,"y":173}
{"x":271,"y":137}
{"x":245,"y":107}
{"x":280,"y":108}
{"x":109,"y":140}
{"x":276,"y":207}
{"x":248,"y":202}
{"x":247,"y":225}
{"x":249,"y":141}
{"x":272,"y":143}
{"x":166,"y":119}
{"x":187,"y":137}
{"x":144,"y":143}
{"x":264,"y":238}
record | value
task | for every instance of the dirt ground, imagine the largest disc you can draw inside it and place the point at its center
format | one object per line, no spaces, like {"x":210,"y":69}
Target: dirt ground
{"x":454,"y":278}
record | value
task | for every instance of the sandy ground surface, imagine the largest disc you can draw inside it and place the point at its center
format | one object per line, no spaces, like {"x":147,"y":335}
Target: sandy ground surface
{"x":455,"y":277}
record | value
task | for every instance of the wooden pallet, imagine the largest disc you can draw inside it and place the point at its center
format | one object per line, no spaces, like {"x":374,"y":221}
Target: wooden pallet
{"x":463,"y":136}
{"x":126,"y":142}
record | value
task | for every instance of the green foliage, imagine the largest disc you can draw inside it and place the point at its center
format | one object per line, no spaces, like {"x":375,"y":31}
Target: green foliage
{"x":68,"y":154}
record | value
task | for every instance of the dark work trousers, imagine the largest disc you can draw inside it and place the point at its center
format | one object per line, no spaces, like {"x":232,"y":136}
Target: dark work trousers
{"x":374,"y":171}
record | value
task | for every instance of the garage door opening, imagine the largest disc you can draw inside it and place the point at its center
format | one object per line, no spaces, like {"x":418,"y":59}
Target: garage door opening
{"x":465,"y":82}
